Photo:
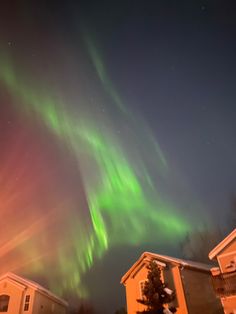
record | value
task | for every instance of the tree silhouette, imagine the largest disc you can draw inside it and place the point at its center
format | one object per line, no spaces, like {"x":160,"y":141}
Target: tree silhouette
{"x":84,"y":309}
{"x":199,"y":242}
{"x":156,"y":294}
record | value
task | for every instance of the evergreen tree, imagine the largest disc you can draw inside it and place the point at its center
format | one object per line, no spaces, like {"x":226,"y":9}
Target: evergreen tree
{"x":197,"y":244}
{"x":156,"y":294}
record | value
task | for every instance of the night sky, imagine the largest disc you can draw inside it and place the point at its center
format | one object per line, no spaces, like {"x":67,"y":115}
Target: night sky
{"x":117,"y":135}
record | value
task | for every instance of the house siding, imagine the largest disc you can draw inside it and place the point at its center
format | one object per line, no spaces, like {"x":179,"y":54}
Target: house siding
{"x":225,"y":287}
{"x":229,"y":248}
{"x":227,"y":255}
{"x":229,"y":305}
{"x":38,"y":301}
{"x":180,"y":302}
{"x":199,"y":293}
{"x":45,"y":305}
{"x":169,"y":275}
{"x":15,"y":293}
{"x":31,"y":292}
{"x":191,"y":282}
{"x":133,"y":291}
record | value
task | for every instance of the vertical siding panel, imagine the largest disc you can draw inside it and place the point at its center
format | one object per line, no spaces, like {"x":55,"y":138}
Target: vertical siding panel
{"x":200,"y":296}
{"x":180,"y":295}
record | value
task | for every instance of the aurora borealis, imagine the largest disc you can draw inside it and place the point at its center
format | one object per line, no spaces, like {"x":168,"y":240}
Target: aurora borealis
{"x":120,"y":195}
{"x":108,"y":132}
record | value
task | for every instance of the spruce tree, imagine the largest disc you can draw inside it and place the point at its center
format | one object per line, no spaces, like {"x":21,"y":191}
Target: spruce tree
{"x":156,"y":294}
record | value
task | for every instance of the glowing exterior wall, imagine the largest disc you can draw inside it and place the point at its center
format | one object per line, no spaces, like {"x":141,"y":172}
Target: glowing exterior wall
{"x":224,"y":278}
{"x":229,"y":304}
{"x":17,"y":293}
{"x":25,"y":299}
{"x":227,"y":256}
{"x":170,"y":275}
{"x":133,"y":291}
{"x":194,"y":292}
{"x":45,"y":305}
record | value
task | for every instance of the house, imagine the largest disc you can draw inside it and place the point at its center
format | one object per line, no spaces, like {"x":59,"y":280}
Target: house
{"x":191,"y":282}
{"x":224,"y":276}
{"x":22,"y":296}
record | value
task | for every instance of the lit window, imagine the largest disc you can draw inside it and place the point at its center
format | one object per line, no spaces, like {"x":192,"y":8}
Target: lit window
{"x":4,"y":301}
{"x":27,"y":300}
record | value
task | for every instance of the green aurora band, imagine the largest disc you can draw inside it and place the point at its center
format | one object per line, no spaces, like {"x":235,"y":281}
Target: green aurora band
{"x":123,"y":202}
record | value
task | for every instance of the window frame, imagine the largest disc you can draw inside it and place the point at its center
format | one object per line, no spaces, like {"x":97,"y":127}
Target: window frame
{"x":27,"y":303}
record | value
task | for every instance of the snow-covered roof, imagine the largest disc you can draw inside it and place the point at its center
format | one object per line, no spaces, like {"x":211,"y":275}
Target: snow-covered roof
{"x":33,"y":285}
{"x":222,"y":244}
{"x":215,"y":271}
{"x":146,"y":257}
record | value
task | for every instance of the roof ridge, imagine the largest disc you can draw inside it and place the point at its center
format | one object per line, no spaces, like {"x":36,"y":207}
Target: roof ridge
{"x":220,"y":246}
{"x":33,"y":284}
{"x":179,"y":260}
{"x":166,"y":258}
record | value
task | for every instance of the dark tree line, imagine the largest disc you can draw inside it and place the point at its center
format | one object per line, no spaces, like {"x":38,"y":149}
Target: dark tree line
{"x":199,"y":242}
{"x":83,"y":309}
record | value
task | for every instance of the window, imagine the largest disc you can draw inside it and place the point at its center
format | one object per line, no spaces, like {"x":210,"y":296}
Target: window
{"x":4,"y":301}
{"x":26,"y":307}
{"x":27,"y":301}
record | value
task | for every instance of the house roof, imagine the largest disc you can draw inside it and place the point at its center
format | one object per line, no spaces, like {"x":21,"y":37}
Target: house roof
{"x":222,"y":244}
{"x":33,"y":285}
{"x":146,"y":257}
